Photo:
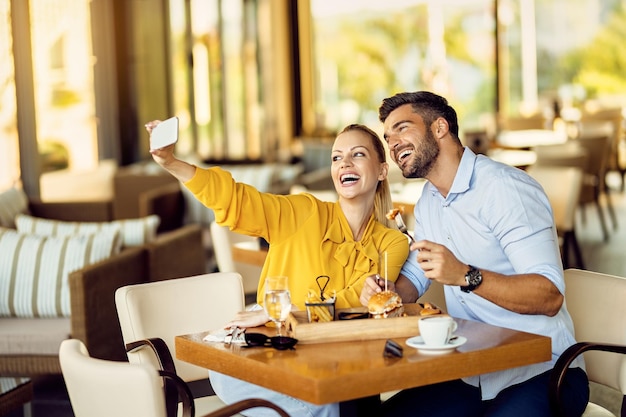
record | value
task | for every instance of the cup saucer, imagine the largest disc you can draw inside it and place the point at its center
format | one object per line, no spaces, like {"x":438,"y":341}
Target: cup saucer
{"x":418,"y":343}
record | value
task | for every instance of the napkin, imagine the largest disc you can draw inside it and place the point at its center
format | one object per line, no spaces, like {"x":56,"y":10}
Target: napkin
{"x":232,"y":335}
{"x":217,"y":335}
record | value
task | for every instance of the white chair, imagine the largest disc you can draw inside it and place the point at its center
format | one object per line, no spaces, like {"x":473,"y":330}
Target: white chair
{"x":165,"y":309}
{"x":598,"y":149}
{"x":223,"y":240}
{"x":105,"y":388}
{"x":101,"y":388}
{"x":597,"y":304}
{"x":562,"y":186}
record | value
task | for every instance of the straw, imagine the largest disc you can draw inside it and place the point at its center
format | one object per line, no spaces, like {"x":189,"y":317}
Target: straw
{"x":385,"y":270}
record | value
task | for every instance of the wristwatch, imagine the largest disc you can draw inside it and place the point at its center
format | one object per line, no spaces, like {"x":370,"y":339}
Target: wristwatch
{"x":474,"y":278}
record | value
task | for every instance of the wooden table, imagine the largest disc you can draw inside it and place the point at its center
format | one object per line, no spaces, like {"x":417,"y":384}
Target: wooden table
{"x":514,"y":157}
{"x":528,"y":138}
{"x":330,"y":372}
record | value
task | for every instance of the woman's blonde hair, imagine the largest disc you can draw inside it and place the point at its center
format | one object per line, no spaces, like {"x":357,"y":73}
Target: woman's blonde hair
{"x":382,"y":199}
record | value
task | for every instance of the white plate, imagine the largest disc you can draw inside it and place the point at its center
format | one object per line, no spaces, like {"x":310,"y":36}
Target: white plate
{"x":418,"y":343}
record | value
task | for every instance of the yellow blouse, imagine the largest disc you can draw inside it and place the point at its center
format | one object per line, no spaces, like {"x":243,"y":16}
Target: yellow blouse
{"x":307,"y":237}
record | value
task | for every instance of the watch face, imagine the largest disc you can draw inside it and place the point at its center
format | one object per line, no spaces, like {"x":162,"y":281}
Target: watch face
{"x":473,"y":279}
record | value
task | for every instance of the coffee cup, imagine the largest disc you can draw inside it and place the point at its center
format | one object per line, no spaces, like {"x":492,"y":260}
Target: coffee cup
{"x":437,"y":330}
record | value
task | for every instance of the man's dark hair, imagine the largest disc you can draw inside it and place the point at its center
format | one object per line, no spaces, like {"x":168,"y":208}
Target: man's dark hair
{"x":428,"y":105}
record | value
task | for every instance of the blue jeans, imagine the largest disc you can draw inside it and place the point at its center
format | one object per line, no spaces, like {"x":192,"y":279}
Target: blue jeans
{"x":231,"y":390}
{"x":456,"y":398}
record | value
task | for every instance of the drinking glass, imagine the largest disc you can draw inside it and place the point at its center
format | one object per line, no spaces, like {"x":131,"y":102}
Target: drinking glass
{"x":277,"y":302}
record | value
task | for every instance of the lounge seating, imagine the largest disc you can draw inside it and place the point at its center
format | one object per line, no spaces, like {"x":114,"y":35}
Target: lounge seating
{"x":29,"y":345}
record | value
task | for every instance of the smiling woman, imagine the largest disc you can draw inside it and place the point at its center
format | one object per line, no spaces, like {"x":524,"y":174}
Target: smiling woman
{"x":307,"y":237}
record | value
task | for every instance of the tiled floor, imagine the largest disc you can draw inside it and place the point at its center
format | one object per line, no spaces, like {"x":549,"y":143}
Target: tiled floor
{"x":51,"y":397}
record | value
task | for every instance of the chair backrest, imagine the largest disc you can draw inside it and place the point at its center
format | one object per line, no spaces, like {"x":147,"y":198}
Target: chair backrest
{"x":568,"y":154}
{"x":597,"y":127}
{"x":169,"y":308}
{"x":598,"y":151}
{"x":593,"y":122}
{"x":223,"y":240}
{"x":562,"y":186}
{"x":597,"y":304}
{"x":100,"y":388}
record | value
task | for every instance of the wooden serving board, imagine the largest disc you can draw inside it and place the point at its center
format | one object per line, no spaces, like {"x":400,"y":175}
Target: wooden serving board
{"x":354,"y":330}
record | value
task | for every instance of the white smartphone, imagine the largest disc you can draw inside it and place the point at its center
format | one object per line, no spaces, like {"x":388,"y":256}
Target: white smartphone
{"x":164,"y":134}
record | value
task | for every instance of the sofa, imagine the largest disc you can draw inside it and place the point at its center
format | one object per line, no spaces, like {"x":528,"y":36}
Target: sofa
{"x":29,"y":343}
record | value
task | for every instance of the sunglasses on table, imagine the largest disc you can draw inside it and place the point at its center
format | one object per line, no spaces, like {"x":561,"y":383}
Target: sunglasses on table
{"x":277,"y":342}
{"x":392,"y":349}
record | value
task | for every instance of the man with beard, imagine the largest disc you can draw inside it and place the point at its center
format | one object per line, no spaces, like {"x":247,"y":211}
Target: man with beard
{"x":485,"y":231}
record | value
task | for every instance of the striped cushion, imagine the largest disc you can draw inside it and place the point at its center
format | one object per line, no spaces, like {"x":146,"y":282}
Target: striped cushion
{"x":12,"y":202}
{"x":134,"y":232}
{"x":34,"y":270}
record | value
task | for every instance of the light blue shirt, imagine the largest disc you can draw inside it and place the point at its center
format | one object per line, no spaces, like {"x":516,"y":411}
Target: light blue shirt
{"x":495,"y":217}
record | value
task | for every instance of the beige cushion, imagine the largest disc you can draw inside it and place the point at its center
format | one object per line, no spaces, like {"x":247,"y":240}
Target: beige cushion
{"x":34,"y":270}
{"x":33,"y":336}
{"x":594,"y":410}
{"x":134,"y":232}
{"x":12,"y":202}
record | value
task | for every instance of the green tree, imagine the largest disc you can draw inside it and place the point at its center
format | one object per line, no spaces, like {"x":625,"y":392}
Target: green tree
{"x":600,"y":66}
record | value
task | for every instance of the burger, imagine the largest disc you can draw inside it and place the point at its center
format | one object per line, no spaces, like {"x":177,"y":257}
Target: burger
{"x":385,"y":304}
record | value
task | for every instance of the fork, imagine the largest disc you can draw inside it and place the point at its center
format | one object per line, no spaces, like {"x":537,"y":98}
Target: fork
{"x":402,"y":226}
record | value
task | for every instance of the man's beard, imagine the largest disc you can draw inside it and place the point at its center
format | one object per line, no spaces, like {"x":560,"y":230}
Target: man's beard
{"x":423,"y":158}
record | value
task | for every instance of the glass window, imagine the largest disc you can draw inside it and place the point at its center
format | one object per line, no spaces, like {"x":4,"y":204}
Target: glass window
{"x":9,"y":156}
{"x":553,"y":52}
{"x":364,"y":51}
{"x":63,"y":84}
{"x":217,"y":96}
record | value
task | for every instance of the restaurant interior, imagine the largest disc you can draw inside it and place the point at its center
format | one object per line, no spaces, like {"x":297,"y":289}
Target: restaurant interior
{"x":261,"y":88}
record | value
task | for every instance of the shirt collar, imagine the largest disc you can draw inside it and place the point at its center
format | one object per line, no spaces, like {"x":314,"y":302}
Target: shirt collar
{"x":463,"y":177}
